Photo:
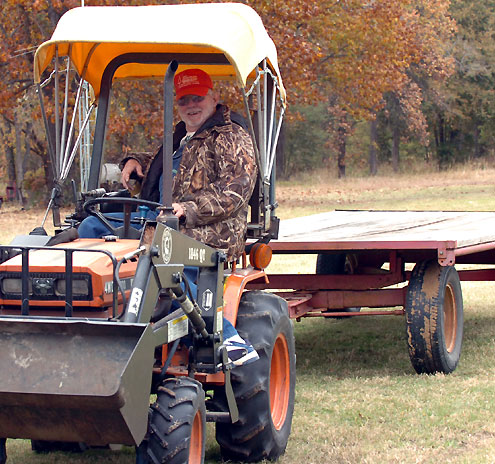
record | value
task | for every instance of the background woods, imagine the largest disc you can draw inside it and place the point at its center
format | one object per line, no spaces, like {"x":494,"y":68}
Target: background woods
{"x":370,"y":84}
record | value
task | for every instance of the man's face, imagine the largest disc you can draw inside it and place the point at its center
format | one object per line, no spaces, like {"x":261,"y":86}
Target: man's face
{"x":194,"y":110}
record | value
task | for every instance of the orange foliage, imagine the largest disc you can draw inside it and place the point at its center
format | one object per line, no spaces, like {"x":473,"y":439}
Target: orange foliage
{"x":347,"y":52}
{"x":368,"y":47}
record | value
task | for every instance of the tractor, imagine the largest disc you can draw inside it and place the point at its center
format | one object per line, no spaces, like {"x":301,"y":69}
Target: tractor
{"x":103,"y":342}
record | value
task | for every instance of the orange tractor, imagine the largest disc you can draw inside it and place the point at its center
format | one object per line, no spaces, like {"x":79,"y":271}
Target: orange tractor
{"x":87,"y":329}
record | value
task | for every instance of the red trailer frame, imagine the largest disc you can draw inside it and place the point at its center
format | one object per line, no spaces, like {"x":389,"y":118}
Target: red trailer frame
{"x":430,"y":294}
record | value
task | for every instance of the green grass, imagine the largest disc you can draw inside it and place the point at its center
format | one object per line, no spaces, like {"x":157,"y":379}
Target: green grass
{"x":358,"y":399}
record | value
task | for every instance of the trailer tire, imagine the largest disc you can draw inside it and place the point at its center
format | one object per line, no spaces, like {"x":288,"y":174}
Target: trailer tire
{"x":265,"y":389}
{"x":177,"y":424}
{"x":330,"y":264}
{"x":434,"y":318}
{"x":340,"y":263}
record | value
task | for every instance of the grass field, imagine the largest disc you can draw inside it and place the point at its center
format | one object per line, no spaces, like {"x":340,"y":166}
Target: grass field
{"x":358,"y":399}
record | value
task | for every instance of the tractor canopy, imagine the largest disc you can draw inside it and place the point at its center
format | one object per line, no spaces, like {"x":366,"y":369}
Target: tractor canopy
{"x":104,"y":44}
{"x":93,"y":36}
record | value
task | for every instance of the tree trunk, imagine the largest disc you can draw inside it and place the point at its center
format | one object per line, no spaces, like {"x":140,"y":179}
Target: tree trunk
{"x":341,"y":157}
{"x":373,"y":145}
{"x":11,"y":190}
{"x":19,"y":162}
{"x":9,"y":158}
{"x":341,"y":145}
{"x":443,"y":150}
{"x":395,"y":147}
{"x":476,"y":137}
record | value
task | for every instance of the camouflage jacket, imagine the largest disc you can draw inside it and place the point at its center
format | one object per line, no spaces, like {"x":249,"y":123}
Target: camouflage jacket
{"x":214,"y":181}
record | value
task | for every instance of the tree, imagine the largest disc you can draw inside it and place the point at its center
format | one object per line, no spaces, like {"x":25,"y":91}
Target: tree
{"x":20,"y":29}
{"x":370,"y":49}
{"x":463,"y":117}
{"x":24,"y":25}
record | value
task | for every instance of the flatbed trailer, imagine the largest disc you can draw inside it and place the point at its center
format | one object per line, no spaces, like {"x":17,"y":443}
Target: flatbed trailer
{"x":391,"y":263}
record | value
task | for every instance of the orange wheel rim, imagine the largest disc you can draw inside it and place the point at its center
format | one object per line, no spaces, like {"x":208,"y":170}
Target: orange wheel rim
{"x":196,"y":441}
{"x":279,"y":382}
{"x":450,"y":319}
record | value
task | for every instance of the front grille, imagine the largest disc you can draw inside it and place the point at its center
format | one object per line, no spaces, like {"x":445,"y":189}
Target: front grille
{"x":43,"y":286}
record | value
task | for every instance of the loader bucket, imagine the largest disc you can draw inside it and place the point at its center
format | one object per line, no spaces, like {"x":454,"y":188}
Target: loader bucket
{"x":79,"y":381}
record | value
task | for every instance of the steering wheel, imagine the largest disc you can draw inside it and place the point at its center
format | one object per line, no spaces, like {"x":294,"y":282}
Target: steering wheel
{"x":124,"y":231}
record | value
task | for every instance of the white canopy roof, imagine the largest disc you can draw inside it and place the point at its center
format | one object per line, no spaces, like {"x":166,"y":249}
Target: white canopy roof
{"x":94,"y":35}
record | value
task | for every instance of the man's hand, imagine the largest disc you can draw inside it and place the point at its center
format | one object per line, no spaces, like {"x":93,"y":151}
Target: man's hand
{"x":131,"y":166}
{"x":178,"y":210}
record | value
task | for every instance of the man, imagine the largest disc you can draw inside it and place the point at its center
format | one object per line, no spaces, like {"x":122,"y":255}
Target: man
{"x":216,"y":168}
{"x":214,"y":176}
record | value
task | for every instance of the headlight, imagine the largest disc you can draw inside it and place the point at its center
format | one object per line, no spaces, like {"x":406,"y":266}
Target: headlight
{"x":14,"y":286}
{"x":79,"y":287}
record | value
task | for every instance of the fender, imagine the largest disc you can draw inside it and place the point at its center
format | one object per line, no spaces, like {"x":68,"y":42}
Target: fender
{"x":233,"y":288}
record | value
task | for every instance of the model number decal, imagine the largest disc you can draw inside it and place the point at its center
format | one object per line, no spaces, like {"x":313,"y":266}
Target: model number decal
{"x":197,"y":254}
{"x":135,"y":300}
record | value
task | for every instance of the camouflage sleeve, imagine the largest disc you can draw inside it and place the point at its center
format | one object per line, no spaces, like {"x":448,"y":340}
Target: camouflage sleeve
{"x":142,"y":157}
{"x":236,"y":175}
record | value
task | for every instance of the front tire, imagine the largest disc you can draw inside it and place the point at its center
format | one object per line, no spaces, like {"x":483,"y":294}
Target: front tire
{"x":434,"y":318}
{"x":177,"y":425}
{"x":265,"y":389}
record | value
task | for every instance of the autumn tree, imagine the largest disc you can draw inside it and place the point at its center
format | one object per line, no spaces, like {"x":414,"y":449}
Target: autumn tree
{"x":24,"y":25}
{"x":368,"y":50}
{"x":349,"y":55}
{"x":406,"y":108}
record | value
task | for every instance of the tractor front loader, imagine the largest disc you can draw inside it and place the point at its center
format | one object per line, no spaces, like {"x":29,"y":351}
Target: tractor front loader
{"x":91,"y":328}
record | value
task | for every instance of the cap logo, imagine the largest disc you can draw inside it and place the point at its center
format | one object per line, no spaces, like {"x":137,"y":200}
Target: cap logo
{"x":185,"y":80}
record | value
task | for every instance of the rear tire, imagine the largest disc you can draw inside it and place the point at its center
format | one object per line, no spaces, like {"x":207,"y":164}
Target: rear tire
{"x":264,"y":390}
{"x":434,"y":318}
{"x":177,"y":426}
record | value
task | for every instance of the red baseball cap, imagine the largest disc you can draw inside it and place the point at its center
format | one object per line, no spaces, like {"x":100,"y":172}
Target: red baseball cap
{"x":192,"y":82}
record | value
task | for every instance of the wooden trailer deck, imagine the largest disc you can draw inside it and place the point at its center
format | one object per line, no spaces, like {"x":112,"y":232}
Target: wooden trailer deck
{"x":364,"y":261}
{"x":451,"y":234}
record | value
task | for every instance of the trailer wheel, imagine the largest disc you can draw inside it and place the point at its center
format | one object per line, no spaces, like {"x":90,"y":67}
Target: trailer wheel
{"x":264,"y":390}
{"x":331,"y":264}
{"x":434,"y":318}
{"x":177,"y":425}
{"x":341,"y":263}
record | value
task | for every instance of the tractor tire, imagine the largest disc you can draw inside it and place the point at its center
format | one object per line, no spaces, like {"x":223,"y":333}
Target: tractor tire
{"x":434,"y":318}
{"x":177,"y":424}
{"x":265,"y":389}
